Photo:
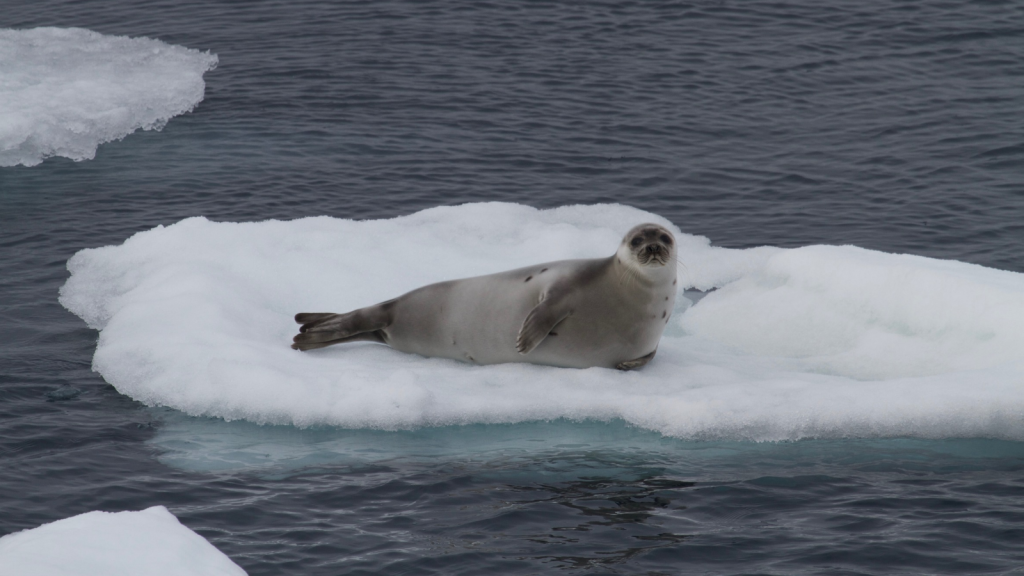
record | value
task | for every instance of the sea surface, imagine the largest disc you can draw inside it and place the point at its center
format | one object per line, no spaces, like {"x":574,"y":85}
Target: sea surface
{"x":895,"y":126}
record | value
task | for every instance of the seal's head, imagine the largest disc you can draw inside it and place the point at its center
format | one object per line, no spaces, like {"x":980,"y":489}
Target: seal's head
{"x":647,"y":255}
{"x":649,"y":245}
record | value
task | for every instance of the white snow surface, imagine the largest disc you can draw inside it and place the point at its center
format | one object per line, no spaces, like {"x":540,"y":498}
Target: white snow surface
{"x":150,"y":542}
{"x":820,"y":341}
{"x":65,"y":91}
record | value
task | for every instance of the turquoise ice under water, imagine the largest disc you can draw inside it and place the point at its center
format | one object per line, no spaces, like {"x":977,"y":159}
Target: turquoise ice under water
{"x":211,"y":444}
{"x":886,"y":126}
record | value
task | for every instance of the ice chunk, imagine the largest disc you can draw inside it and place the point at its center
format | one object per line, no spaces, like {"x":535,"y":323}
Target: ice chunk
{"x":65,"y":91}
{"x":150,"y":542}
{"x":822,"y":341}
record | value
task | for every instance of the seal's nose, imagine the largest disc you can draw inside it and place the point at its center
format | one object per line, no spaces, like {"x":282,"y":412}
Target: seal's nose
{"x":653,"y":248}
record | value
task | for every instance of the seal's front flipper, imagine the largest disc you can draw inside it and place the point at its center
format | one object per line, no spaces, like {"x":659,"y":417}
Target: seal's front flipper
{"x":540,"y":321}
{"x":634,"y":364}
{"x":324,"y":329}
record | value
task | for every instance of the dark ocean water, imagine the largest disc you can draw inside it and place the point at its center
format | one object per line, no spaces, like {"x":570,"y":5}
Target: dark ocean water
{"x":896,"y":126}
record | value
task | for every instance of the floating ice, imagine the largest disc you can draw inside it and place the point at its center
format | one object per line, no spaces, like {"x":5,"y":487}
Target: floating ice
{"x":65,"y":91}
{"x":822,"y":341}
{"x":150,"y":542}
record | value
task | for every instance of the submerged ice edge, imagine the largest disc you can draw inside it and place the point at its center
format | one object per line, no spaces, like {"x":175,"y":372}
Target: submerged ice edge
{"x":822,"y":341}
{"x":68,"y":90}
{"x":211,"y":444}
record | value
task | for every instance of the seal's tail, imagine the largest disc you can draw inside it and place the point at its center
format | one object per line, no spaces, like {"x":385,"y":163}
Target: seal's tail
{"x":321,"y":329}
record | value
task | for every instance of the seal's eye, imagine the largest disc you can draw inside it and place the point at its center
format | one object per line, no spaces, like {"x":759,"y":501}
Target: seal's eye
{"x":636,"y":242}
{"x":666,"y":240}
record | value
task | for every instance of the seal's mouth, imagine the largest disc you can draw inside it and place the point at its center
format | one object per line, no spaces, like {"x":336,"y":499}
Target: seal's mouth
{"x":653,"y":254}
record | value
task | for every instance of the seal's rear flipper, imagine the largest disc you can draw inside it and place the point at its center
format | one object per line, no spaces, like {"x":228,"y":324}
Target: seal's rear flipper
{"x":320,"y":329}
{"x":375,"y":336}
{"x":308,"y":317}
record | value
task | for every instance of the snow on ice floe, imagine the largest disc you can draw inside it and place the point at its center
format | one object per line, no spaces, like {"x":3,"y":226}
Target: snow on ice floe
{"x":65,"y":91}
{"x":150,"y":542}
{"x":821,"y":341}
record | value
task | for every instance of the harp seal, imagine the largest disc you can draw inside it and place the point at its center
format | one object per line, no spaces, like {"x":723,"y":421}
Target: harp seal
{"x":607,"y":312}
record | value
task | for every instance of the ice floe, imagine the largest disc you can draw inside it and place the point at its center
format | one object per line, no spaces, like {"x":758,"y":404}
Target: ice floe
{"x":65,"y":91}
{"x":150,"y":542}
{"x":820,"y":341}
